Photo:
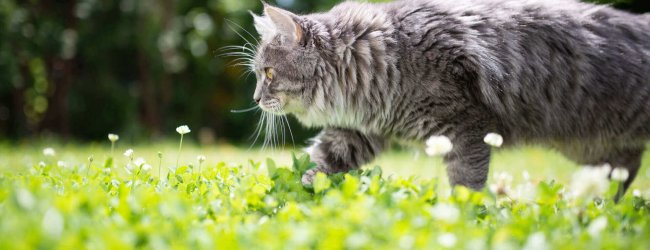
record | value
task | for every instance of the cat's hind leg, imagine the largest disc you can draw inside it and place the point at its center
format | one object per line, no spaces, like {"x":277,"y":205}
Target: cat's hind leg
{"x":337,"y":150}
{"x":595,"y":154}
{"x":630,"y":159}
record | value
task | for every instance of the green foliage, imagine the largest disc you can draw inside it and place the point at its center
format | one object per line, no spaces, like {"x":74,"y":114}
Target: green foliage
{"x":264,"y":205}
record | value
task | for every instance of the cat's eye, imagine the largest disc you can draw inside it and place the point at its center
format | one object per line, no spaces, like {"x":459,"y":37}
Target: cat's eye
{"x":269,"y":73}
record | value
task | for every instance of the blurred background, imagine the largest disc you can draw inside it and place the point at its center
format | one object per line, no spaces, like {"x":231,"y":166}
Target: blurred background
{"x":79,"y":69}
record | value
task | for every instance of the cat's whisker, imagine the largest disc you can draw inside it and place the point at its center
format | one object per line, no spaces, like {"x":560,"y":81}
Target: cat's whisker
{"x":275,"y":131}
{"x":258,"y":130}
{"x":266,"y":131}
{"x":236,"y":52}
{"x":293,"y":143}
{"x":244,"y":110}
{"x":239,"y":48}
{"x":276,"y":109}
{"x":238,"y":55}
{"x":270,"y":130}
{"x":242,"y":28}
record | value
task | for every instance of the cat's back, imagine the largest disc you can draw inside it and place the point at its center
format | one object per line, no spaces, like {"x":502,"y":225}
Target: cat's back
{"x":557,"y":68}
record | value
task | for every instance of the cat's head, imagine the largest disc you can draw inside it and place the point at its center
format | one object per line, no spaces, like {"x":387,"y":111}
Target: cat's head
{"x":288,"y":62}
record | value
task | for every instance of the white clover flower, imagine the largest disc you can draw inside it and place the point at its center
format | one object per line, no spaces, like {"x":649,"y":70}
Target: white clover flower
{"x":501,"y":185}
{"x":146,"y":168}
{"x":525,"y":192}
{"x":447,"y":240}
{"x":183,"y":129}
{"x":493,"y":139}
{"x":25,"y":198}
{"x":438,"y":145}
{"x":537,"y":241}
{"x":399,"y":195}
{"x":49,"y":152}
{"x":589,"y":182}
{"x":113,"y":137}
{"x":596,"y":226}
{"x":200,"y":158}
{"x":356,"y":240}
{"x":52,"y":223}
{"x":620,"y":174}
{"x":406,"y":241}
{"x":445,"y":212}
{"x":139,"y":162}
{"x":128,"y":153}
{"x":130,"y":168}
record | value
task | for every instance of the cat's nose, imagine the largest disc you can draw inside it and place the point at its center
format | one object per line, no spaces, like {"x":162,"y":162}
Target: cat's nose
{"x":257,"y":99}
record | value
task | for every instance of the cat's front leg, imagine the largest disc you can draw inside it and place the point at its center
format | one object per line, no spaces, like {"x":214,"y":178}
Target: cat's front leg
{"x":468,"y":162}
{"x":337,"y":150}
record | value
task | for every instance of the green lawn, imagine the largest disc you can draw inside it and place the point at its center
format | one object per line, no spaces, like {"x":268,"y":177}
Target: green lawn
{"x":230,"y":202}
{"x":540,"y":163}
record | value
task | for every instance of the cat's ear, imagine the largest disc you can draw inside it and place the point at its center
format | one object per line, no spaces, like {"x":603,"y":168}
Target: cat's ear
{"x":285,"y":23}
{"x":264,"y":26}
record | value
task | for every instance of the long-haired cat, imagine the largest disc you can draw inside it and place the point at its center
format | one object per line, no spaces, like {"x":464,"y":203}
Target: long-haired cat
{"x":570,"y":75}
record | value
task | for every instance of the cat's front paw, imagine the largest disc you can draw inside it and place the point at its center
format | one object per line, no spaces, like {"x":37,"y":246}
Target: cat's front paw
{"x":310,"y":175}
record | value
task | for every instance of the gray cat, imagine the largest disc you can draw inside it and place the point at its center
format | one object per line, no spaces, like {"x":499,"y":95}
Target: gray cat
{"x":566,"y":74}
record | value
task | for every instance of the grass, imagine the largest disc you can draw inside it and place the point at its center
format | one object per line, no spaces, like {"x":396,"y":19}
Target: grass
{"x":242,"y":200}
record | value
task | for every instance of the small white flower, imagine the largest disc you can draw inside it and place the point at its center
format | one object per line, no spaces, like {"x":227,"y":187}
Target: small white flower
{"x":406,"y":241}
{"x":597,"y":226}
{"x":493,"y":139}
{"x":356,"y":240}
{"x":445,"y":212}
{"x":438,"y":145}
{"x":61,"y":164}
{"x":501,"y":185}
{"x":139,"y":162}
{"x":525,"y":192}
{"x":183,"y":129}
{"x":399,"y":195}
{"x":146,"y":168}
{"x":130,"y":168}
{"x":25,"y":198}
{"x":49,"y":152}
{"x":41,"y":164}
{"x":107,"y":171}
{"x":447,"y":240}
{"x":590,"y":181}
{"x":537,"y":241}
{"x":113,"y":137}
{"x":200,"y":158}
{"x":128,"y":153}
{"x":620,"y":174}
{"x":636,"y":193}
{"x":52,"y":223}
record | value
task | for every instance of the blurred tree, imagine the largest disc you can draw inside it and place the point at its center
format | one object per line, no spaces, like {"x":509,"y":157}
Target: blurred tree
{"x":83,"y":68}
